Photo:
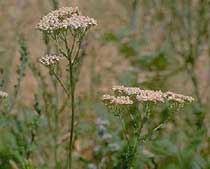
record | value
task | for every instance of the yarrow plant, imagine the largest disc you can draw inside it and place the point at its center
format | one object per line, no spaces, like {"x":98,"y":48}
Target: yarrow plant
{"x":151,"y":95}
{"x":49,"y":60}
{"x":66,"y":18}
{"x":132,"y":106}
{"x":61,"y":26}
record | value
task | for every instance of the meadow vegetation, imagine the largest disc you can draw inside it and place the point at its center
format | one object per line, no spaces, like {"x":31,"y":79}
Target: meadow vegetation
{"x":59,"y":60}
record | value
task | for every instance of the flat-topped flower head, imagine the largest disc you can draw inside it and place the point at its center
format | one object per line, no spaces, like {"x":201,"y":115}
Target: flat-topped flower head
{"x":49,"y":60}
{"x":127,"y":90}
{"x":150,"y":96}
{"x":55,"y":19}
{"x":170,"y":96}
{"x":3,"y":94}
{"x":141,"y":95}
{"x":117,"y":100}
{"x":63,"y":19}
{"x":80,"y":22}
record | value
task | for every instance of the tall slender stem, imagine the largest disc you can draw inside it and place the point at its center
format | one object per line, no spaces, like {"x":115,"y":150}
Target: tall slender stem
{"x":72,"y":95}
{"x":56,"y":138}
{"x":72,"y":114}
{"x":71,"y":55}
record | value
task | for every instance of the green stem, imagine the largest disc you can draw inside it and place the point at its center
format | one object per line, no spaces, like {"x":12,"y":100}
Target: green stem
{"x":56,"y":139}
{"x":72,"y":92}
{"x":72,"y":114}
{"x":128,"y":154}
{"x":125,"y":132}
{"x":70,"y":53}
{"x":55,"y":4}
{"x":55,"y":112}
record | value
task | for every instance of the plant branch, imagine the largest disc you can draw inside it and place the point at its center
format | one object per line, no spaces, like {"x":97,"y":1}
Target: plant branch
{"x":60,"y":82}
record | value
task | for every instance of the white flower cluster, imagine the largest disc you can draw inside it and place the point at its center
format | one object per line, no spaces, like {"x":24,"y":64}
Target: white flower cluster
{"x":141,"y":95}
{"x":3,"y":94}
{"x":151,"y":96}
{"x":126,"y":90}
{"x":80,"y":22}
{"x":117,"y":100}
{"x":136,"y":94}
{"x":170,"y":96}
{"x":63,"y":19}
{"x":49,"y":60}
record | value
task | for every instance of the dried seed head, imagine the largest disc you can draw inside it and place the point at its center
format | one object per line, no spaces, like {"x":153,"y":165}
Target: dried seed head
{"x":63,"y":19}
{"x":49,"y":60}
{"x":170,"y":96}
{"x":117,"y":100}
{"x":3,"y":94}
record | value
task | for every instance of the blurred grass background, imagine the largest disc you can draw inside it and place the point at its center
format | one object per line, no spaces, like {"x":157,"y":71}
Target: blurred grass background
{"x":156,"y":44}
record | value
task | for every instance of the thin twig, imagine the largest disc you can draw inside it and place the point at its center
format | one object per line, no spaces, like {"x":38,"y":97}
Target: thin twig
{"x":60,"y":82}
